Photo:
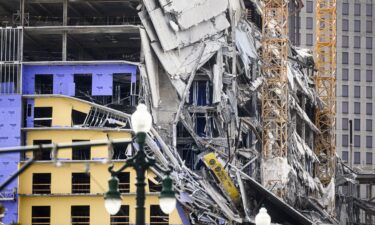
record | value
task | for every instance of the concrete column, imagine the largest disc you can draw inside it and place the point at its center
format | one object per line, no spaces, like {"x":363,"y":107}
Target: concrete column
{"x":64,"y":36}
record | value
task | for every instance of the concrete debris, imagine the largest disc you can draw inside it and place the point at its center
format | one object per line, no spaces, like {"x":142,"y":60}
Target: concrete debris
{"x":209,"y":126}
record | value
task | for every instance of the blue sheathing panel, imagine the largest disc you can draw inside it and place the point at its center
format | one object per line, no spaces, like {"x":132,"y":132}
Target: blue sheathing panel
{"x":182,"y":214}
{"x":10,"y":135}
{"x":63,"y":77}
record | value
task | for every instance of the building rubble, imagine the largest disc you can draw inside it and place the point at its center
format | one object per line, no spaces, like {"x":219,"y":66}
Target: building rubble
{"x":202,"y":80}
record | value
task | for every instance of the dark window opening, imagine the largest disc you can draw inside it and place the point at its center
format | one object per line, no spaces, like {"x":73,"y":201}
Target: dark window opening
{"x":42,"y":154}
{"x":78,"y":118}
{"x":82,"y":152}
{"x":157,"y":217}
{"x":204,"y":125}
{"x":43,"y":84}
{"x":124,"y":182}
{"x":122,"y":217}
{"x":41,"y":183}
{"x":80,"y":215}
{"x":119,"y":151}
{"x":40,"y":215}
{"x":189,"y":154}
{"x":80,"y":183}
{"x":42,"y":116}
{"x":154,"y":187}
{"x":29,"y":108}
{"x":201,"y":93}
{"x":83,"y":85}
{"x":182,"y":131}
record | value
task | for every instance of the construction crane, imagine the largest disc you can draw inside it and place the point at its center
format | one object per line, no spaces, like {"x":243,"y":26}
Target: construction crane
{"x":275,"y":90}
{"x":325,"y":80}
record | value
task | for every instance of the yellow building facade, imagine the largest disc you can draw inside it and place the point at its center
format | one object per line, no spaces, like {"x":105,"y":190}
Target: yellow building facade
{"x":71,"y":191}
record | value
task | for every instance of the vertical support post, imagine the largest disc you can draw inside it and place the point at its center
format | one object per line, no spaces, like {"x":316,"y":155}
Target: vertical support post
{"x":64,"y":36}
{"x":351,"y":143}
{"x":140,"y":167}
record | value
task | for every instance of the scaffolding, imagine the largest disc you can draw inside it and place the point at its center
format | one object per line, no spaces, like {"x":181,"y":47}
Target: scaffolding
{"x":325,"y":57}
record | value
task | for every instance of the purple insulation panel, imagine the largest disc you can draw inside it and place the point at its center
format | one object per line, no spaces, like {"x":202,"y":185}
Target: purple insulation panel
{"x":10,"y":135}
{"x":63,"y":77}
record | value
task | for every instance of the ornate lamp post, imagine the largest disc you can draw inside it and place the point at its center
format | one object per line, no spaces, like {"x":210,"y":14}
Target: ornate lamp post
{"x":141,"y":122}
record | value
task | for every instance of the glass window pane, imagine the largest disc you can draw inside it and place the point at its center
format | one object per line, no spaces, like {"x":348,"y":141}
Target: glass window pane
{"x":369,"y":59}
{"x":357,"y":91}
{"x":368,"y":125}
{"x":369,"y":26}
{"x":345,"y":25}
{"x":369,"y":75}
{"x":309,"y":23}
{"x":345,"y":107}
{"x":357,"y":124}
{"x":368,"y":141}
{"x":357,"y":141}
{"x":309,"y":39}
{"x":345,"y":156}
{"x":357,"y":157}
{"x":357,"y":42}
{"x":369,"y":158}
{"x":369,"y":9}
{"x":309,"y":6}
{"x":345,"y":41}
{"x":357,"y":108}
{"x":345,"y":140}
{"x":345,"y":123}
{"x":357,"y":58}
{"x":357,"y":75}
{"x":357,"y":9}
{"x":368,"y":92}
{"x":345,"y":8}
{"x":345,"y":74}
{"x":345,"y":58}
{"x":345,"y":90}
{"x":368,"y":108}
{"x":369,"y":42}
{"x":357,"y":25}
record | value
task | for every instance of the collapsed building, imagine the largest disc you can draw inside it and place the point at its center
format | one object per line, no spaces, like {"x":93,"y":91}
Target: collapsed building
{"x":200,"y":70}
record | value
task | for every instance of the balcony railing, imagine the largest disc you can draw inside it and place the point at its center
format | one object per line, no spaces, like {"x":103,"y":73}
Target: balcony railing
{"x":80,"y":220}
{"x":119,"y":220}
{"x":82,"y":188}
{"x":40,"y":220}
{"x":42,"y":188}
{"x":124,"y":187}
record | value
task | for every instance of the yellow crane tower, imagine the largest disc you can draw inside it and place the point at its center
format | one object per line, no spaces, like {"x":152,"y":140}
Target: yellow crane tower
{"x":275,"y":89}
{"x":325,"y":80}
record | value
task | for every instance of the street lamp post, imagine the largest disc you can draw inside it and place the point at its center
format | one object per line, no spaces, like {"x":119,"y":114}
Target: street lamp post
{"x":141,"y":122}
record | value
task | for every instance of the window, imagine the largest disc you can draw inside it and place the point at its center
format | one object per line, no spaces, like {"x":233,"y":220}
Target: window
{"x":368,"y":141}
{"x":345,"y":107}
{"x":369,"y":26}
{"x":345,"y":8}
{"x":83,"y":85}
{"x":345,"y":123}
{"x":345,"y":25}
{"x":309,"y":39}
{"x":41,"y":215}
{"x":345,"y":74}
{"x":357,"y":124}
{"x":345,"y":90}
{"x":357,"y":141}
{"x":357,"y":75}
{"x":357,"y":91}
{"x":357,"y":58}
{"x":357,"y":42}
{"x":80,"y":183}
{"x":345,"y":58}
{"x":309,"y":6}
{"x":43,"y":84}
{"x":368,"y":108}
{"x":78,"y":118}
{"x":82,"y":152}
{"x":345,"y":156}
{"x":41,"y":183}
{"x":369,"y":59}
{"x":369,"y":75}
{"x":357,"y":108}
{"x":369,"y":42}
{"x":345,"y":140}
{"x":120,"y":151}
{"x":369,"y":158}
{"x":357,"y":157}
{"x":201,"y":93}
{"x":122,"y":217}
{"x":309,"y":23}
{"x":154,"y":187}
{"x":368,"y":92}
{"x":369,"y":9}
{"x":124,"y":182}
{"x":357,"y":9}
{"x":357,"y":26}
{"x":368,"y":125}
{"x":80,"y":215}
{"x":42,"y":116}
{"x":42,"y":154}
{"x":345,"y":41}
{"x":157,"y":217}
